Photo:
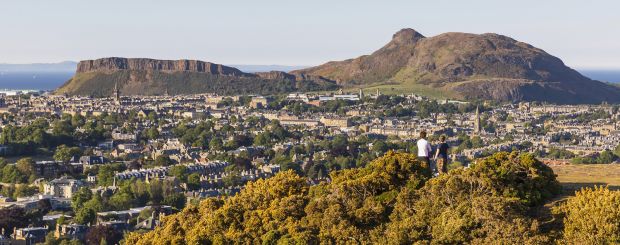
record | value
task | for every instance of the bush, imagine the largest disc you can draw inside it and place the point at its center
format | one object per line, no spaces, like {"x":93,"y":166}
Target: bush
{"x":391,"y":200}
{"x":485,"y":203}
{"x":592,"y":216}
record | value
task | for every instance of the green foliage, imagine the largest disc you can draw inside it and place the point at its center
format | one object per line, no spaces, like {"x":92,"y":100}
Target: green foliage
{"x":152,"y":133}
{"x":393,"y":200}
{"x":101,"y":84}
{"x":80,"y":197}
{"x":85,"y":216}
{"x":283,"y":209}
{"x":50,"y":132}
{"x":64,"y":153}
{"x":485,"y":203}
{"x":163,"y":160}
{"x":193,"y":181}
{"x":14,"y":217}
{"x":264,"y":207}
{"x":605,"y":157}
{"x":176,"y":200}
{"x":179,"y":171}
{"x":555,"y":153}
{"x":216,"y":144}
{"x":518,"y":176}
{"x":11,"y":174}
{"x":25,"y":190}
{"x":592,"y":216}
{"x":106,"y":172}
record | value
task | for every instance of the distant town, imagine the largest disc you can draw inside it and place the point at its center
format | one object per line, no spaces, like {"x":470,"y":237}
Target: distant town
{"x":75,"y":168}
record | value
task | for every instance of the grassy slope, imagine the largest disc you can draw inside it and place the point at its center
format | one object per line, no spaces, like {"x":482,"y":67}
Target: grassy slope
{"x":153,"y":83}
{"x":576,"y":176}
{"x":406,"y":82}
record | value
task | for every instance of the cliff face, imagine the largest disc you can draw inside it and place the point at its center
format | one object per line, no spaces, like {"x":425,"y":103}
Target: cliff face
{"x":115,"y":64}
{"x":156,"y":77}
{"x":468,"y":66}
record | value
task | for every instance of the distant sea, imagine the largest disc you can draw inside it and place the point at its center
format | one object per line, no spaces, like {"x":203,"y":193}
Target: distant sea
{"x":24,"y":80}
{"x":612,"y":76}
{"x":50,"y":80}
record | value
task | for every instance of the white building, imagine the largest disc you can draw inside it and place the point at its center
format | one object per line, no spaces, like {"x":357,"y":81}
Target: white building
{"x":62,"y":187}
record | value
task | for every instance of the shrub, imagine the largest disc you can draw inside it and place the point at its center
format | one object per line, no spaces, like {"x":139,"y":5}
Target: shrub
{"x":592,"y":216}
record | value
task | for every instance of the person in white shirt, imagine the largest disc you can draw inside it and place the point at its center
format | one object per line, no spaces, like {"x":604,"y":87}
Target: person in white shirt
{"x":424,"y":150}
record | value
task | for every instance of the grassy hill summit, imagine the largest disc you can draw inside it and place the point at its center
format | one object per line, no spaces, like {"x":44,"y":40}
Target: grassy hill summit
{"x":466,"y":66}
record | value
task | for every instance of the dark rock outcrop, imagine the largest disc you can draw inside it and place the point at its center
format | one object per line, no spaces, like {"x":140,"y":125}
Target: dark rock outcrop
{"x":115,"y":63}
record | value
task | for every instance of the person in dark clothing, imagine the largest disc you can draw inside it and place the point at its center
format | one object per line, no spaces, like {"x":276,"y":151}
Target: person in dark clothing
{"x":441,"y":155}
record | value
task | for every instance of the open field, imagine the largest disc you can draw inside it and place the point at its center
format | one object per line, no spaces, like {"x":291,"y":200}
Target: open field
{"x":575,"y":176}
{"x":397,"y":89}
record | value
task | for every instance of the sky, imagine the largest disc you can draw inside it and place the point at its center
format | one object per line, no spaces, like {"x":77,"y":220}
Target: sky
{"x":584,"y":34}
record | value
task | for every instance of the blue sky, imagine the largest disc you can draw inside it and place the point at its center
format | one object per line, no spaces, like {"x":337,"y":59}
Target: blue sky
{"x":585,"y":34}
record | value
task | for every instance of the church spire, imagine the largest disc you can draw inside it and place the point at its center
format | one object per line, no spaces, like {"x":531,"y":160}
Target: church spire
{"x":477,"y":121}
{"x":117,"y":94}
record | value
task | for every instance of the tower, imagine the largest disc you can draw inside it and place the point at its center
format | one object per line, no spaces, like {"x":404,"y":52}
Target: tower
{"x":477,"y":121}
{"x":117,"y":94}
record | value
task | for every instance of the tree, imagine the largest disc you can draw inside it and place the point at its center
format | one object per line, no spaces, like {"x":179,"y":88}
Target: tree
{"x":12,"y":217}
{"x":102,"y":234}
{"x":80,"y":197}
{"x":288,"y":165}
{"x":11,"y":174}
{"x":617,"y":151}
{"x":25,"y":190}
{"x":156,"y":192}
{"x":193,"y":181}
{"x":105,"y":175}
{"x":176,"y":200}
{"x":262,"y":139}
{"x":95,"y":203}
{"x":606,"y":157}
{"x":25,"y":166}
{"x":121,"y":200}
{"x":180,"y":172}
{"x":232,"y":179}
{"x":64,"y":153}
{"x":216,"y":144}
{"x":152,"y":133}
{"x":379,"y":148}
{"x":77,"y":120}
{"x":50,"y":239}
{"x":85,"y":216}
{"x":163,"y":160}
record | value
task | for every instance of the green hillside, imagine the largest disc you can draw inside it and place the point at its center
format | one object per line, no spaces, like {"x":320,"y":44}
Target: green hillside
{"x":134,"y":82}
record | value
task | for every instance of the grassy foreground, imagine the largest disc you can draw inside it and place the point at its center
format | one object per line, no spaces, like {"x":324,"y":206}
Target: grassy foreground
{"x":575,"y":176}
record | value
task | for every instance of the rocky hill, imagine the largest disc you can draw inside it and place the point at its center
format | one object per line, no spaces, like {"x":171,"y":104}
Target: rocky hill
{"x":467,"y":66}
{"x":155,"y":77}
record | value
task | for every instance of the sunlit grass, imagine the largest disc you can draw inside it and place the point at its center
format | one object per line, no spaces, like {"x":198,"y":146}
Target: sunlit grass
{"x":583,"y":175}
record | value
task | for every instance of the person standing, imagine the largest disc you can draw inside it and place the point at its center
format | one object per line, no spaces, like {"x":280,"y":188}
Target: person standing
{"x":441,"y":155}
{"x":424,"y":150}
